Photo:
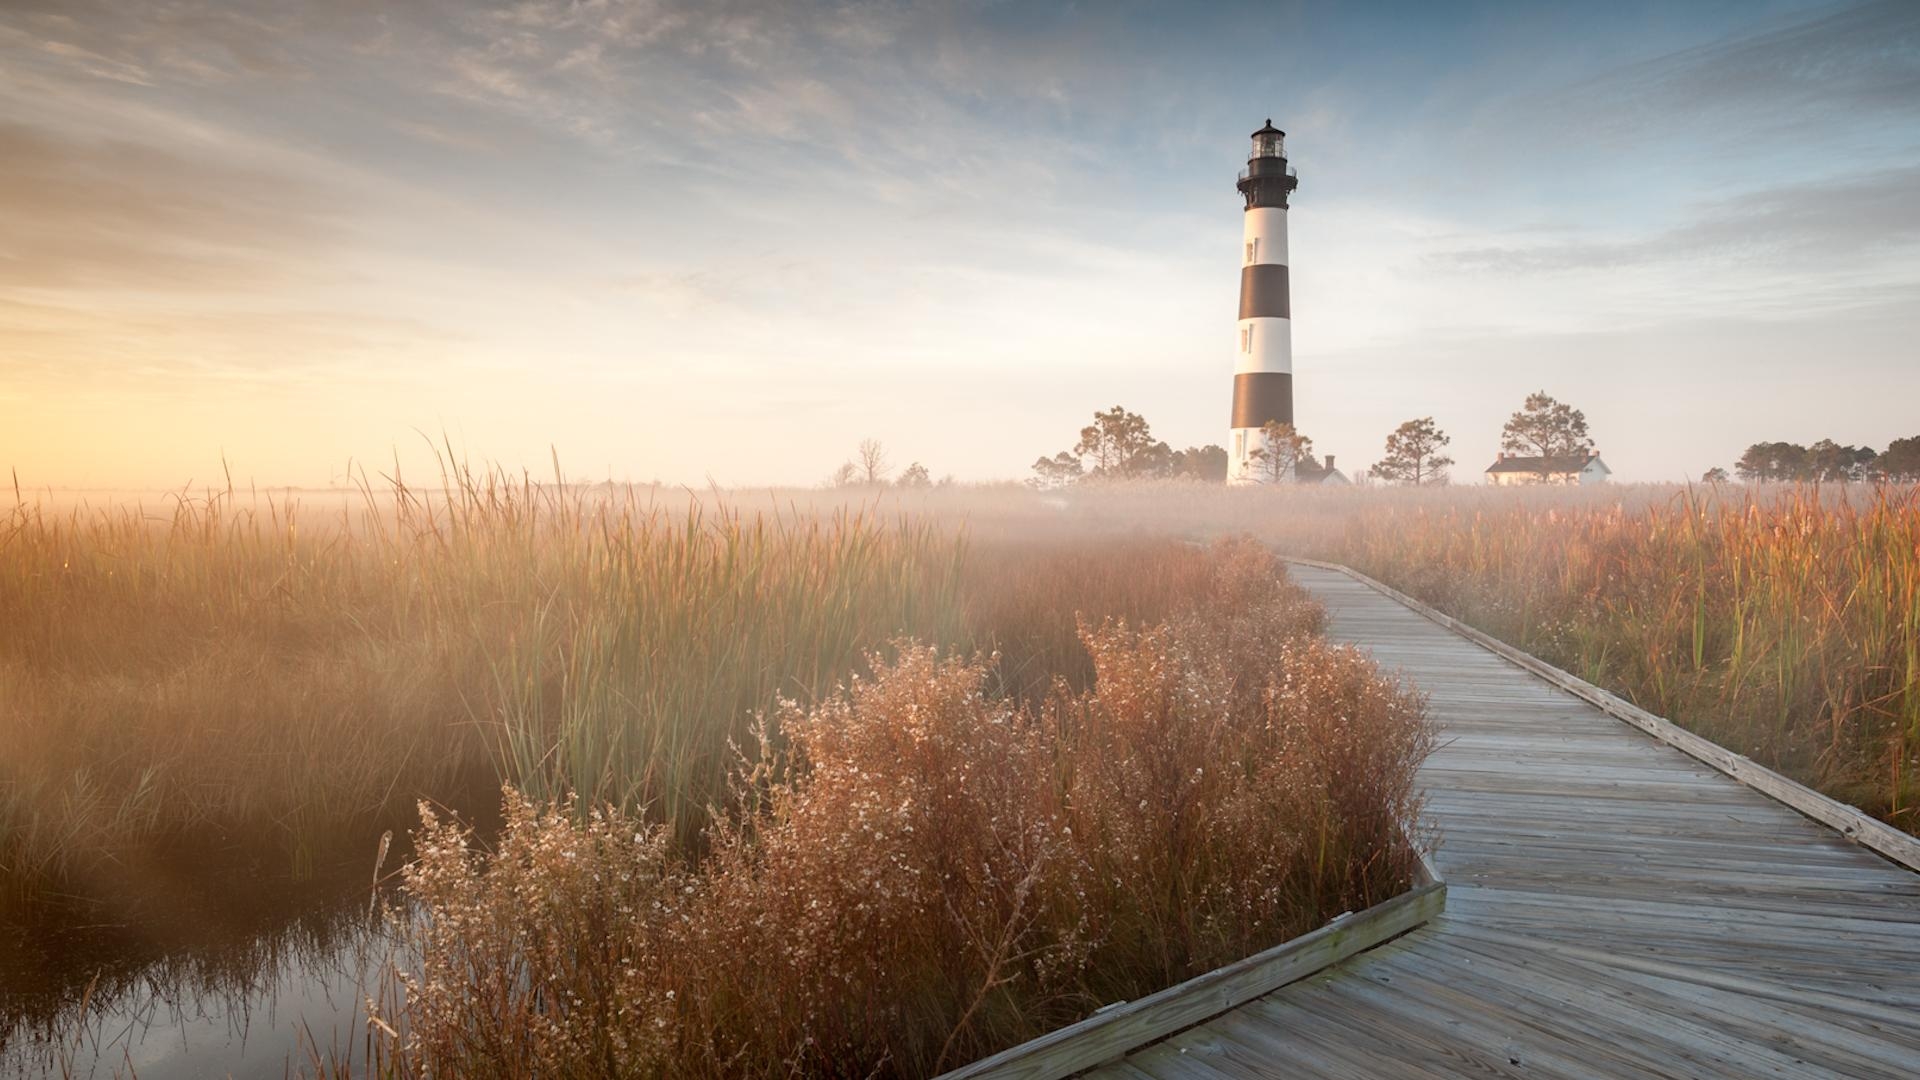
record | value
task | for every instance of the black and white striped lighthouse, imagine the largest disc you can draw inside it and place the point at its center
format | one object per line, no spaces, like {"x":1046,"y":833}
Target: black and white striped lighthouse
{"x":1263,"y":368}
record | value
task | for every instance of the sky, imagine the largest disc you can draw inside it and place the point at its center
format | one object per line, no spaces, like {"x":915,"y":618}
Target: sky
{"x":724,"y":242}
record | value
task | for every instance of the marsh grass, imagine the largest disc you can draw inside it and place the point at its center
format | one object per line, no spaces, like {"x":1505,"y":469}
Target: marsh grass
{"x":1782,"y":623}
{"x":232,"y":673}
{"x":231,"y":678}
{"x":242,"y":675}
{"x":929,"y":868}
{"x":209,"y":674}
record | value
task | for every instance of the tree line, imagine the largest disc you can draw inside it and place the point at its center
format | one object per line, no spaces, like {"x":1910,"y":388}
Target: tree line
{"x":1119,"y":444}
{"x":1825,"y":462}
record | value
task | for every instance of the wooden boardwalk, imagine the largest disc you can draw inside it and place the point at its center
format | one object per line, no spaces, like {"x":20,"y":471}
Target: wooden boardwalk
{"x":1614,"y":908}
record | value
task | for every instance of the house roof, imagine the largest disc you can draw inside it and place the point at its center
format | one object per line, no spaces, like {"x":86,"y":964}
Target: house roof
{"x":1545,"y":465}
{"x":1312,"y":474}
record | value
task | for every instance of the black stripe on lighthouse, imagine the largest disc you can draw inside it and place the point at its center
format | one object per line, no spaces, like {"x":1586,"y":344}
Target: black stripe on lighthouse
{"x":1263,"y":291}
{"x":1260,"y":397}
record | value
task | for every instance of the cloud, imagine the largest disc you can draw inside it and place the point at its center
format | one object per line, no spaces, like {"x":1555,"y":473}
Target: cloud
{"x":198,"y":43}
{"x":1750,"y":94}
{"x":110,"y":214}
{"x":690,"y":212}
{"x":1865,"y":56}
{"x":189,"y":350}
{"x":1800,"y":228}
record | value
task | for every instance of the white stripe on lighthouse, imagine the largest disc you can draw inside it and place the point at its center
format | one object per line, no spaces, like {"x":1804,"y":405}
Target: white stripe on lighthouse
{"x":1265,"y":345}
{"x":1264,"y":235}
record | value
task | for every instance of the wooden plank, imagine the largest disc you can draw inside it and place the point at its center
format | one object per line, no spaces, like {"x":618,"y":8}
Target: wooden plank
{"x":1848,"y":821}
{"x":1108,"y":1035}
{"x":1613,"y":908}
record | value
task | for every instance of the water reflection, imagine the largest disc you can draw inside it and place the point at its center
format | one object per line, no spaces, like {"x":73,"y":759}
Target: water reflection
{"x":253,"y":977}
{"x":304,"y":1002}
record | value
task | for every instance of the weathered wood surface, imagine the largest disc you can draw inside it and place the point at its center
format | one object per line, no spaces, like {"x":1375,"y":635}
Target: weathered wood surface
{"x":1615,"y":908}
{"x":1115,"y":1030}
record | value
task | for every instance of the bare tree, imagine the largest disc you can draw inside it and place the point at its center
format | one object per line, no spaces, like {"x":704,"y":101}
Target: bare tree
{"x":1281,"y":449}
{"x":915,"y":476}
{"x":845,"y":476}
{"x":873,"y":463}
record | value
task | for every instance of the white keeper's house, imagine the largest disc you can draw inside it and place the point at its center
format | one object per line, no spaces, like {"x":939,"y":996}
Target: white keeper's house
{"x":1512,"y":469}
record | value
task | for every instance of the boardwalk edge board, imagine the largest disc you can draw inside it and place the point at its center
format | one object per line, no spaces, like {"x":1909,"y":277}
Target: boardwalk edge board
{"x":1869,"y":832}
{"x":1117,"y":1029}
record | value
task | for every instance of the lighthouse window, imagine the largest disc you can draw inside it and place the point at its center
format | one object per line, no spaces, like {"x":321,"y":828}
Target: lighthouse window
{"x":1253,"y":250}
{"x":1239,"y":445}
{"x":1246,"y":338}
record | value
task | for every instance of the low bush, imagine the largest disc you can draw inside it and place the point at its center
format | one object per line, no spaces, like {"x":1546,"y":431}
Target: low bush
{"x":926,"y":870}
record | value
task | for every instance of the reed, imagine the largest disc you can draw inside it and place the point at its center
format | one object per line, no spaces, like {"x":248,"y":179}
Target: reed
{"x":1783,"y":623}
{"x":230,"y":671}
{"x":242,"y":675}
{"x":930,"y":869}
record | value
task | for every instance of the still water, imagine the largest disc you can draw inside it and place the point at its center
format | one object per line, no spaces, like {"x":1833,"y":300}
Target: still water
{"x":240,"y":974}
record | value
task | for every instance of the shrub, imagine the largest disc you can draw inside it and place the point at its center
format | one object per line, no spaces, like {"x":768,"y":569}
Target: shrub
{"x":930,"y":871}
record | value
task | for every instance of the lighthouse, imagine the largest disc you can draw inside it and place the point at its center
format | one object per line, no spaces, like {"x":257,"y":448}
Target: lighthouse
{"x":1263,"y":366}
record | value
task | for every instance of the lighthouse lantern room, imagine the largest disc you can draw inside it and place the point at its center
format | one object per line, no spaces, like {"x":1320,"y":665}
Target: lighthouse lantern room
{"x":1263,"y":367}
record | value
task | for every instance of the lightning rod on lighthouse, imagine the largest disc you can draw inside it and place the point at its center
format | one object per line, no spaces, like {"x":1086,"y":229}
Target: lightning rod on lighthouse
{"x":1263,"y":367}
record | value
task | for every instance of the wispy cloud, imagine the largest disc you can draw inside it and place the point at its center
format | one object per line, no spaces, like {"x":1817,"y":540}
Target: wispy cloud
{"x":1804,"y":229}
{"x":80,"y":214}
{"x":701,"y":213}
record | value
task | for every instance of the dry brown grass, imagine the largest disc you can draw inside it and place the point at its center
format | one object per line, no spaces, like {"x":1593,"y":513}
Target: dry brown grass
{"x":1780,"y":621}
{"x":1783,"y":623}
{"x":232,"y":675}
{"x":931,"y":871}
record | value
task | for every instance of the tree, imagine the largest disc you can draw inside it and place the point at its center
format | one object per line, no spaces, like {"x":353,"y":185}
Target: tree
{"x":1715,"y":475}
{"x":845,"y":476}
{"x":915,"y":476}
{"x":1281,"y":449}
{"x":1121,"y":444}
{"x":1832,"y":463}
{"x":1901,"y":461}
{"x":1765,"y":461}
{"x":1057,"y":471}
{"x":1205,"y":463}
{"x":1413,"y":454}
{"x":872,"y":462}
{"x":1548,"y":430}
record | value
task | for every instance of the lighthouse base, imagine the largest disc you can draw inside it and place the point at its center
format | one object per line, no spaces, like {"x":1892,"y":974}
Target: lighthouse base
{"x":1249,"y":460}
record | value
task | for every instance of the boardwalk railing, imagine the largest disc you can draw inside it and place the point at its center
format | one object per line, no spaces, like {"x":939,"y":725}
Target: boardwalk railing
{"x":1116,"y":1029}
{"x":1869,"y":832}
